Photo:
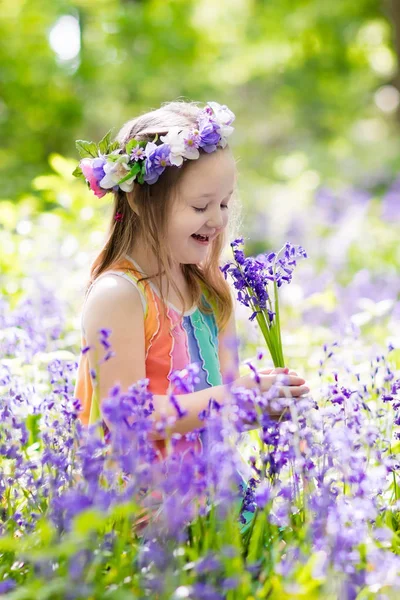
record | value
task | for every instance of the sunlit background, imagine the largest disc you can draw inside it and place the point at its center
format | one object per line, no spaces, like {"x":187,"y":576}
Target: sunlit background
{"x":315,"y":90}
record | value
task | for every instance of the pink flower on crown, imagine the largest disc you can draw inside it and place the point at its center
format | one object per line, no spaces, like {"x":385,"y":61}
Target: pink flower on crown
{"x":93,"y":171}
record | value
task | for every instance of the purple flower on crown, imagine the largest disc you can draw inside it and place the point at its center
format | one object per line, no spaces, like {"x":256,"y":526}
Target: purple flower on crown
{"x":193,"y":139}
{"x":209,"y":134}
{"x":138,"y":153}
{"x":98,"y":168}
{"x":157,"y":158}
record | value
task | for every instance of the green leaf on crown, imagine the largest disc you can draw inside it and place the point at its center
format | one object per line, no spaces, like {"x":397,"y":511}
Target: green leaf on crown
{"x":140,"y":177}
{"x":135,"y":169}
{"x":134,"y":144}
{"x":78,"y":172}
{"x":87,"y":149}
{"x":104,"y":144}
{"x":113,"y":157}
{"x":131,"y":145}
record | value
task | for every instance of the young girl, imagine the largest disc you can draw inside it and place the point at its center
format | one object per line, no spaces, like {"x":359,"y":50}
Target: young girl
{"x":156,"y":285}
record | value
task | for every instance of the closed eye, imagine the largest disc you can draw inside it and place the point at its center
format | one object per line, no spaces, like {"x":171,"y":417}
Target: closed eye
{"x":201,"y":210}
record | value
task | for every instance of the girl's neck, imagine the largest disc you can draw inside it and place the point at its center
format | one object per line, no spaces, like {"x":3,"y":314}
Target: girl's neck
{"x":148,"y":262}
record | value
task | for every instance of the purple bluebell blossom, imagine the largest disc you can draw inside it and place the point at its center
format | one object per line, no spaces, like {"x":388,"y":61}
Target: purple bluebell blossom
{"x":7,"y":585}
{"x":257,"y":281}
{"x":179,"y":411}
{"x":333,"y":469}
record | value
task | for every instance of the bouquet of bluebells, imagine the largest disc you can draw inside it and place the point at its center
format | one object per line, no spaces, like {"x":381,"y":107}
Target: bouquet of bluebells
{"x":257,"y":281}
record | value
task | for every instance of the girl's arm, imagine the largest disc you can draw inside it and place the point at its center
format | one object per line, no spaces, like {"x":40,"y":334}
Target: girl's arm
{"x":115,"y":304}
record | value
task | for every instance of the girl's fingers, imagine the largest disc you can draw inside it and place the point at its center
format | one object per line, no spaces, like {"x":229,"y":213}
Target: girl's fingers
{"x":288,"y":380}
{"x":273,"y":371}
{"x":293,"y":391}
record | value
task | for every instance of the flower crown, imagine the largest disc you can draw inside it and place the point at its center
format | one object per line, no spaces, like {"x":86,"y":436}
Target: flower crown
{"x":105,"y":168}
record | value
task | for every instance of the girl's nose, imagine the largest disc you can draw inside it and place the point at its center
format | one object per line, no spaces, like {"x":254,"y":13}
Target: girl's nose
{"x":216,"y":219}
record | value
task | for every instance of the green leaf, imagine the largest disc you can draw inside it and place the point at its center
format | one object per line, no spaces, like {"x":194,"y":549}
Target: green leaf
{"x":9,"y":544}
{"x":78,"y":172}
{"x":140,"y":177}
{"x":104,"y":144}
{"x":32,"y":423}
{"x":113,"y":146}
{"x":86,"y":149}
{"x":112,"y":157}
{"x":131,"y":145}
{"x":45,"y":531}
{"x":89,"y":520}
{"x":257,"y":536}
{"x":135,"y":169}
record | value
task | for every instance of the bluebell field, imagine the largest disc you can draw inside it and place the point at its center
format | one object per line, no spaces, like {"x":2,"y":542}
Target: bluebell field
{"x":304,"y":507}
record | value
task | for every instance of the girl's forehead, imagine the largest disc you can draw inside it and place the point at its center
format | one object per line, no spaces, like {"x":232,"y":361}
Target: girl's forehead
{"x":210,"y":175}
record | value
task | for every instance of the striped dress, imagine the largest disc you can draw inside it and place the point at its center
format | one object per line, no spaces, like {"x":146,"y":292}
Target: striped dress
{"x":170,"y":343}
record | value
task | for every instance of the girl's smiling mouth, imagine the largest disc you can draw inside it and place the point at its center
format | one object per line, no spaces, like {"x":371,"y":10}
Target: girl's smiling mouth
{"x":201,"y":239}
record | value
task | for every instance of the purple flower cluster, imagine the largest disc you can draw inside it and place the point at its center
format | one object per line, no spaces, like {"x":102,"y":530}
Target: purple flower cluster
{"x":253,"y":279}
{"x":316,"y":502}
{"x":33,"y":326}
{"x":251,"y":276}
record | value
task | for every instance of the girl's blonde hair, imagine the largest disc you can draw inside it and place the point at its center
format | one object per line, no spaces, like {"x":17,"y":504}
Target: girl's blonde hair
{"x":146,"y":209}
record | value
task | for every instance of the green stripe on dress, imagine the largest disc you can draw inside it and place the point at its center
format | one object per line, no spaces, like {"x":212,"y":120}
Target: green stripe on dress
{"x":207,"y":342}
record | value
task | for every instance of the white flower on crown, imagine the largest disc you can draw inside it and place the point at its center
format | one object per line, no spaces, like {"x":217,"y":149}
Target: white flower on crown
{"x":115,"y":171}
{"x":223,"y":117}
{"x":175,"y":139}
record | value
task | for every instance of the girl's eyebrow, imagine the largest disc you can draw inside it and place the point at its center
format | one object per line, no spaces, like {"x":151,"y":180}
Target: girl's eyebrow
{"x":210,"y":195}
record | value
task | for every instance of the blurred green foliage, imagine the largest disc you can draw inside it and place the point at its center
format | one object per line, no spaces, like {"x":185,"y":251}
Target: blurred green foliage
{"x":301,"y":75}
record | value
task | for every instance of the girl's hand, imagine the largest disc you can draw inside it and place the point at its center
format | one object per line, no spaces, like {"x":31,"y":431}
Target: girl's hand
{"x":292,"y":386}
